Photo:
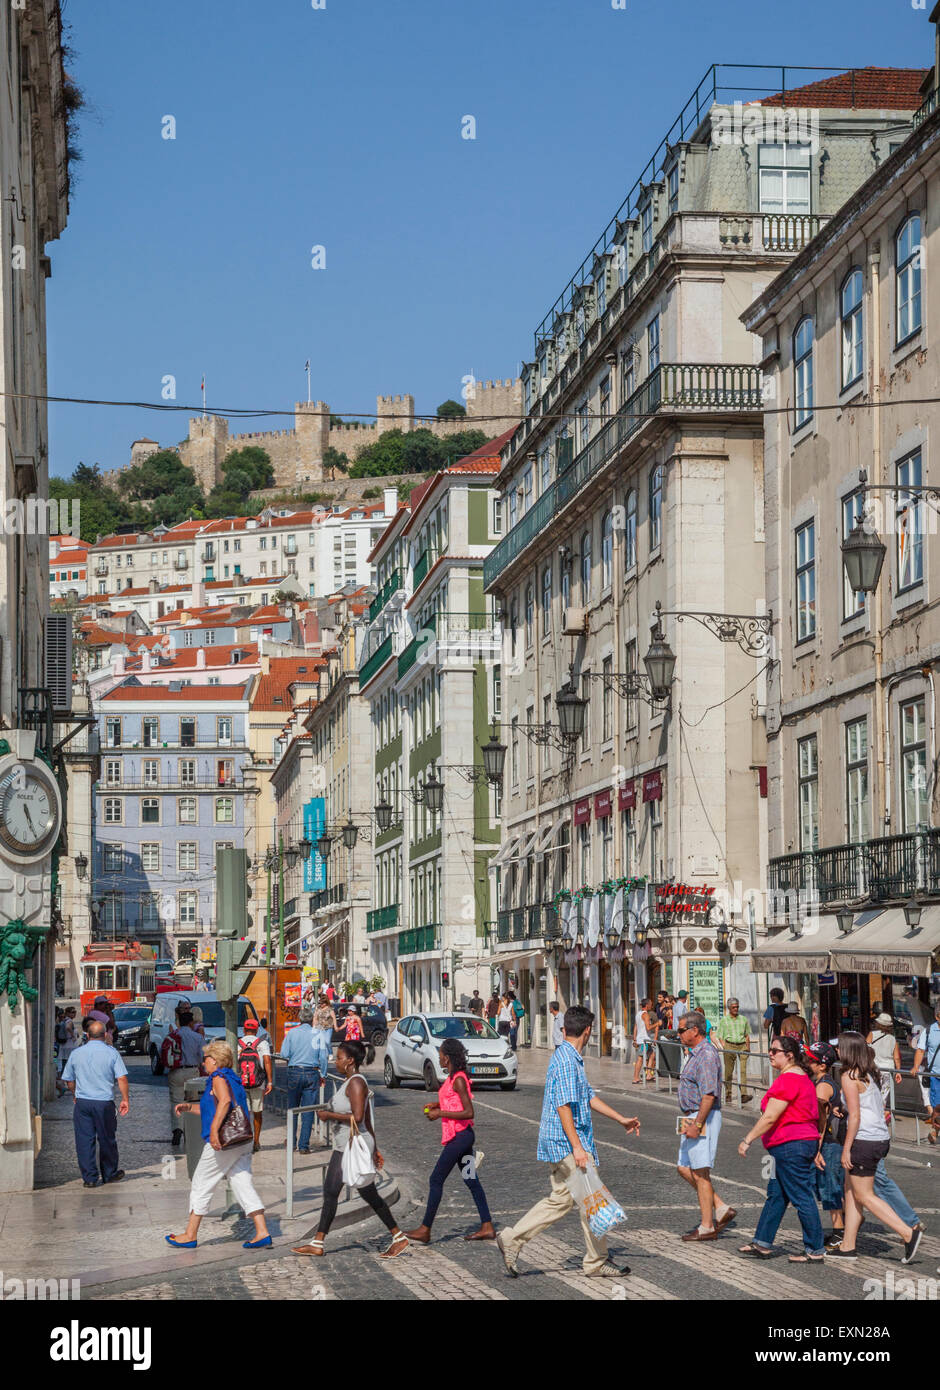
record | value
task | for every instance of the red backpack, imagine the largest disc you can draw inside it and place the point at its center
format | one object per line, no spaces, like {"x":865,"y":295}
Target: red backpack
{"x":250,"y":1066}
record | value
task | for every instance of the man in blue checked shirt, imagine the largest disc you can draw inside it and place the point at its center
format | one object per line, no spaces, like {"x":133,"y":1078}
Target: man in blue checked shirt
{"x":566,"y":1141}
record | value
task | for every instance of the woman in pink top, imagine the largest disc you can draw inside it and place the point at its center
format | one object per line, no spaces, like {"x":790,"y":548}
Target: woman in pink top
{"x":454,"y":1109}
{"x":789,"y":1127}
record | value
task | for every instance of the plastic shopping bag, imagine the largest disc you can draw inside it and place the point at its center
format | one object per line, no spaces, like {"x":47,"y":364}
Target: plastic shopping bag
{"x":602,"y":1209}
{"x":358,"y":1163}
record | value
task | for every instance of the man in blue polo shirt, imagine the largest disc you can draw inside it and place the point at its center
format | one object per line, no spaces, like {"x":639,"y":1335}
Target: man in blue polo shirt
{"x":928,"y":1049}
{"x":566,"y":1141}
{"x":90,"y":1074}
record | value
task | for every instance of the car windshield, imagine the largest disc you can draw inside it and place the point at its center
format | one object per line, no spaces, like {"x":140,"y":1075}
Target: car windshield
{"x":127,"y":1015}
{"x":449,"y":1027}
{"x":213,"y":1015}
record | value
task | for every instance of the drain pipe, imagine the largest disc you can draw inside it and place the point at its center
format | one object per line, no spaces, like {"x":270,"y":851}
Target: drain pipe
{"x":881,"y":753}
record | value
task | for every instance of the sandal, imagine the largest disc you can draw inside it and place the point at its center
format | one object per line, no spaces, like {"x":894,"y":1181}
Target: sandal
{"x":391,"y":1253}
{"x":314,"y":1247}
{"x":807,"y":1259}
{"x":760,"y":1251}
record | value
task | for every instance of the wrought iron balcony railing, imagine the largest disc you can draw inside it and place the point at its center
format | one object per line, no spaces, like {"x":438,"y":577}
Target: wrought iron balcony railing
{"x":891,"y":868}
{"x":927,"y":108}
{"x":378,"y":659}
{"x":418,"y":939}
{"x":391,"y":586}
{"x":420,"y":640}
{"x":382,"y":918}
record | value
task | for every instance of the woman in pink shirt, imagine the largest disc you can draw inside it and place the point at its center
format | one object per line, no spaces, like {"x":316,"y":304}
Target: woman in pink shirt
{"x":454,"y":1109}
{"x":789,"y":1128}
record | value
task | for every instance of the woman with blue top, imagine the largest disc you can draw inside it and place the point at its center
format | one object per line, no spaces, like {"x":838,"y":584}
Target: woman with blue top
{"x":223,"y":1090}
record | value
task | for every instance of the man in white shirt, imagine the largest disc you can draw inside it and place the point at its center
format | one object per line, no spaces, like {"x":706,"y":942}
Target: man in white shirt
{"x":558,"y":1024}
{"x":682,"y":1007}
{"x":256,"y":1094}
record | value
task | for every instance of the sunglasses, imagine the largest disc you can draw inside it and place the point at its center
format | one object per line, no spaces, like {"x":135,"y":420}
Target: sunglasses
{"x":772,"y":1050}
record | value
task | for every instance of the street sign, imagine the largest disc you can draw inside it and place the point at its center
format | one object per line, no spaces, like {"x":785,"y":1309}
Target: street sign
{"x":291,"y":959}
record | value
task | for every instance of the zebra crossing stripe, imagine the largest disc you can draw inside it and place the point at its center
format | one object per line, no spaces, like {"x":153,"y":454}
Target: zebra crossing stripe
{"x":735,"y":1270}
{"x":548,"y":1252}
{"x":432,"y":1276}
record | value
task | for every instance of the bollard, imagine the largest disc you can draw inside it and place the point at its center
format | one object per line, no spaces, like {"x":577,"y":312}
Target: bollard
{"x":192,"y":1123}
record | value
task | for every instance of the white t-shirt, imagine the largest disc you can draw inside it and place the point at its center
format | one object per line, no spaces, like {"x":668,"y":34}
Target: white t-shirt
{"x":506,"y":1014}
{"x":263,"y":1049}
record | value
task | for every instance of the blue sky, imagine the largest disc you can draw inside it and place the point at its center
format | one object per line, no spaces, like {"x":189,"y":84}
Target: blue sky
{"x":341,"y":127}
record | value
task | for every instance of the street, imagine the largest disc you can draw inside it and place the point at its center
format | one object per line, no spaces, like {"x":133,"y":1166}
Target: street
{"x":640,"y":1173}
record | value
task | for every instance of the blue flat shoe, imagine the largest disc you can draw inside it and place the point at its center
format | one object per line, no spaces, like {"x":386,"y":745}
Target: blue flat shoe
{"x":257,"y":1244}
{"x":181,"y":1244}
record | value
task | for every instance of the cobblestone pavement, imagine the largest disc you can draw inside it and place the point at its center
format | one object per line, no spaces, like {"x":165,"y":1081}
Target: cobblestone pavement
{"x":641,"y":1172}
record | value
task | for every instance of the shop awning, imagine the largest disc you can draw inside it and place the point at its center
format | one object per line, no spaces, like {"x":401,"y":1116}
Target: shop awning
{"x":547,"y":834}
{"x":807,"y":953}
{"x":329,"y":932}
{"x":881,"y":943}
{"x":524,"y":843}
{"x":506,"y":956}
{"x":504,"y":852}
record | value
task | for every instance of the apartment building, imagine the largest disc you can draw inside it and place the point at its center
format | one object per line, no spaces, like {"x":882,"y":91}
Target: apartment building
{"x":430,"y":672}
{"x":68,"y":567}
{"x":636,"y":480}
{"x":850,"y":332}
{"x":171,"y":794}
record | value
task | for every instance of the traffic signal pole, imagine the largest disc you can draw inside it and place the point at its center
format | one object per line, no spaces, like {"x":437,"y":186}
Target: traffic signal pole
{"x":233,"y":943}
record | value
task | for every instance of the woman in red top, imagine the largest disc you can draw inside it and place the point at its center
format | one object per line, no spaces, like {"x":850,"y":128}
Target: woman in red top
{"x":454,"y":1109}
{"x":790,"y":1131}
{"x":353,"y":1025}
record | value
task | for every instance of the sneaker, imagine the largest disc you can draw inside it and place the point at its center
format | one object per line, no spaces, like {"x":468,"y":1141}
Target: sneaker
{"x":833,"y":1239}
{"x":509,"y":1257}
{"x":910,"y":1249}
{"x":835,"y":1252}
{"x":608,"y":1271}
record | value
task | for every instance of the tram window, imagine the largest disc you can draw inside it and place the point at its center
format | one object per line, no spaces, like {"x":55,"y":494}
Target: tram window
{"x":88,"y":976}
{"x":122,"y":977}
{"x":105,"y":977}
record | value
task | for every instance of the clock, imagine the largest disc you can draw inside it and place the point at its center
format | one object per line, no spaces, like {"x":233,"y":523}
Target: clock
{"x":30,"y":809}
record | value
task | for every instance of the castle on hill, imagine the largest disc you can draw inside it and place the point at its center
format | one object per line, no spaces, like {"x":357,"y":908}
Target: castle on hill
{"x":297,"y":454}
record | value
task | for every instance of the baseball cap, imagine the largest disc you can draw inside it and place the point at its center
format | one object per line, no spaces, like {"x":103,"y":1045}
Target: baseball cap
{"x":250,"y":1025}
{"x":821,"y":1052}
{"x":101,"y":999}
{"x":683,"y":994}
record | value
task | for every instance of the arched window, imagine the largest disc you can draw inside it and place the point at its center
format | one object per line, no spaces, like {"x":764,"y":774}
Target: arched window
{"x":529,"y":614}
{"x":546,"y":600}
{"x":656,"y":506}
{"x":629,"y":532}
{"x":907,"y":269}
{"x":586,"y":563}
{"x":803,"y":371}
{"x":607,"y":550}
{"x":852,"y":337}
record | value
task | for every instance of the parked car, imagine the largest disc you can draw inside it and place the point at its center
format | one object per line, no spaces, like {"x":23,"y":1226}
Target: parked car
{"x":133,"y":1025}
{"x":413,"y":1045}
{"x":213,"y":1018}
{"x":374,"y":1023}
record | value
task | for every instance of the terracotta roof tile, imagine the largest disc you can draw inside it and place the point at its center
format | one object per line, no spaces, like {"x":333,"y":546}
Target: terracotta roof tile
{"x":870,"y":89}
{"x":221,"y":693}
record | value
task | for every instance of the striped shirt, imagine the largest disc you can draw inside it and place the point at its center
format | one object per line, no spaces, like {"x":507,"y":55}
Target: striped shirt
{"x":733,"y":1030}
{"x":565,"y":1084}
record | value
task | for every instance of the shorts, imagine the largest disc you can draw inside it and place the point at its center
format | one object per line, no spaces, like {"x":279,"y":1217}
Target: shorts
{"x":700,"y":1153}
{"x":255,"y":1098}
{"x":866,"y":1155}
{"x":935,"y":1090}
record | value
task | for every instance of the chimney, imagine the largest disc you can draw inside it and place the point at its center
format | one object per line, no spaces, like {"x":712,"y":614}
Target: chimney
{"x":389,"y":501}
{"x":153,"y":586}
{"x":199,"y":594}
{"x":144,"y":659}
{"x":265,"y":663}
{"x":200,"y":658}
{"x":117,"y":663}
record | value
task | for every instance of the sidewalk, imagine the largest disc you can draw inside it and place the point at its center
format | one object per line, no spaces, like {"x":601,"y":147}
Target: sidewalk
{"x":65,"y":1231}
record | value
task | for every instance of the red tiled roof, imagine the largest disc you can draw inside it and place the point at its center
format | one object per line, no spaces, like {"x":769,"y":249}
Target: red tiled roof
{"x":262,"y":614}
{"x":273,"y":690}
{"x":242,"y":582}
{"x":184,"y":658}
{"x":220,"y":693}
{"x":97,"y":636}
{"x":141,"y":589}
{"x":870,"y":89}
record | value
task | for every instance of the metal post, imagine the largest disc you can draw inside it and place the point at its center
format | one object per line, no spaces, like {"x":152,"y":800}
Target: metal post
{"x":267,"y":958}
{"x":280,"y":898}
{"x":290,"y":1163}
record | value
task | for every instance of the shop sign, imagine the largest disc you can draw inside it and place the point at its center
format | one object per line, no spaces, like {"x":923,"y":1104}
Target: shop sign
{"x":707,"y":988}
{"x":827,"y":978}
{"x":582,"y":811}
{"x":603,"y":805}
{"x":626,"y":796}
{"x":685,"y":901}
{"x":653,"y":785}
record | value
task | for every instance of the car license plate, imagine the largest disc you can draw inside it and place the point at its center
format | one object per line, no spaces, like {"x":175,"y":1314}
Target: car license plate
{"x":484,"y":1071}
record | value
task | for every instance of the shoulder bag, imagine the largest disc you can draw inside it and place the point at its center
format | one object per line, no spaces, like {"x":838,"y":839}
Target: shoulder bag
{"x":236,"y":1128}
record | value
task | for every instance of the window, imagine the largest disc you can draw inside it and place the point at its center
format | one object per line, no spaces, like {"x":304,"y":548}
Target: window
{"x":529,"y":745}
{"x":547,"y":601}
{"x":629,"y":532}
{"x":654,"y":812}
{"x":497,"y":690}
{"x":852,"y":342}
{"x":674,"y":189}
{"x":586,"y":563}
{"x":607,"y":708}
{"x":112,"y":859}
{"x":188,"y":902}
{"x":627,"y":374}
{"x":225,"y":772}
{"x":151,"y":731}
{"x":150,"y":857}
{"x":112,"y":772}
{"x":628,"y":825}
{"x":808,"y":767}
{"x":586,"y":696}
{"x":529,"y":614}
{"x":151,"y":771}
{"x":601,"y":289}
{"x":647,"y":226}
{"x":910,"y":523}
{"x":113,"y":810}
{"x":113,"y":731}
{"x":656,"y":506}
{"x":210,"y":635}
{"x":907,"y":270}
{"x":605,"y":399}
{"x":188,"y":732}
{"x":149,"y":810}
{"x":545,"y":470}
{"x":497,"y":516}
{"x":915,"y":802}
{"x":187,"y":772}
{"x":805,"y":581}
{"x":584,"y":847}
{"x":607,"y":848}
{"x":852,"y":512}
{"x":186,"y":810}
{"x":783,"y":178}
{"x":857,"y":813}
{"x":526,"y":489}
{"x":546,"y":720}
{"x":630,"y":705}
{"x":224,"y":728}
{"x":803,"y":371}
{"x":188,"y":636}
{"x":514,"y":750}
{"x":652,"y":345}
{"x":224,"y":810}
{"x":607,"y":550}
{"x":584,"y":424}
{"x":186,"y":856}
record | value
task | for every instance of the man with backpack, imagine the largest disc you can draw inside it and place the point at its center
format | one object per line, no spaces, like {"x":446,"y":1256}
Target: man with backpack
{"x":181,"y":1056}
{"x":518,"y":1015}
{"x":256,"y":1070}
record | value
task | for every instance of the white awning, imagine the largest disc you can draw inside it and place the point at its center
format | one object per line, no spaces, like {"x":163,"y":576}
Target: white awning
{"x":881,"y":943}
{"x":525,"y":848}
{"x":506,"y":956}
{"x":807,"y":953}
{"x":329,"y":932}
{"x":547,"y":834}
{"x":504,"y":851}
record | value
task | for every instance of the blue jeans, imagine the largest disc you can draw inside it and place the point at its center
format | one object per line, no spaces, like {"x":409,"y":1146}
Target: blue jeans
{"x":830,"y":1181}
{"x":794,"y":1182}
{"x":887,"y":1189}
{"x":303,"y":1088}
{"x":96,"y":1134}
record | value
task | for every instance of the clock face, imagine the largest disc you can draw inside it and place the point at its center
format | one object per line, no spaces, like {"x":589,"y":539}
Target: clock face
{"x":28,"y":810}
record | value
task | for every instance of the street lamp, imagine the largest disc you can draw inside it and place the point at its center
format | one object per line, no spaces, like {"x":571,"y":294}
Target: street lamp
{"x":306,"y":845}
{"x":571,"y":707}
{"x":846,"y":920}
{"x":350,"y":834}
{"x":863,"y":554}
{"x":912,"y":911}
{"x":660,"y":661}
{"x":291,"y":854}
{"x":81,"y":867}
{"x":433,"y":793}
{"x":640,"y":932}
{"x":494,"y":758}
{"x":323,"y":846}
{"x":383,"y":815}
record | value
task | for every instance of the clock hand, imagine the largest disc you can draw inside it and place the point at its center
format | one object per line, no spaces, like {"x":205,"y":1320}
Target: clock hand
{"x":29,"y":818}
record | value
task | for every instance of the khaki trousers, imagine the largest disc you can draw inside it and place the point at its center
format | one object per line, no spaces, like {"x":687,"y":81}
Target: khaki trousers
{"x":730,"y":1055}
{"x":551,"y":1209}
{"x":178,"y":1079}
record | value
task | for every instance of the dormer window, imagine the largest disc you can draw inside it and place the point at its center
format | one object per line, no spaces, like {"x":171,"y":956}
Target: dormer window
{"x":674,"y":189}
{"x":647,"y":224}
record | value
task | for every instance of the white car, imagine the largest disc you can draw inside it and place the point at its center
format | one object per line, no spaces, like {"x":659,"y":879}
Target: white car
{"x":412,"y":1050}
{"x":213,"y":1018}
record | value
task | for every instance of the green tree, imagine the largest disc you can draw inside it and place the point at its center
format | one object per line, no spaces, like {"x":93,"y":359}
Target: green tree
{"x":450,"y":410}
{"x":253,"y":462}
{"x":383,"y":457}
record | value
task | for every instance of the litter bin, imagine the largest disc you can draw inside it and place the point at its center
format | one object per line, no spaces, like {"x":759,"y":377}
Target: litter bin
{"x":192,"y":1123}
{"x":670,"y":1054}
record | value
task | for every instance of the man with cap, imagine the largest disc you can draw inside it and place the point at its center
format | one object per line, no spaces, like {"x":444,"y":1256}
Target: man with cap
{"x":681,"y":1007}
{"x":181,"y":1055}
{"x":90,"y":1074}
{"x":104,"y":1014}
{"x":255,"y":1060}
{"x":308,"y":1059}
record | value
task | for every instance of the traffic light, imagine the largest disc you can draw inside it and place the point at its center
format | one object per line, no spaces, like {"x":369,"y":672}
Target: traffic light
{"x":232,"y":922}
{"x":445,"y":979}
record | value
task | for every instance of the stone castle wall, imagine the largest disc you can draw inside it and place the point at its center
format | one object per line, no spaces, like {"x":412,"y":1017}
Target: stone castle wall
{"x":297,"y":454}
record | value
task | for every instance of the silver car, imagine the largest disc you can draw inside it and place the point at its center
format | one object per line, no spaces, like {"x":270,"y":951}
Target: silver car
{"x":412,"y":1050}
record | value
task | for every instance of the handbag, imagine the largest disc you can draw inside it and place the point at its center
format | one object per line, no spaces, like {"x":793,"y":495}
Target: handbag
{"x":359,"y":1168}
{"x":236,"y":1128}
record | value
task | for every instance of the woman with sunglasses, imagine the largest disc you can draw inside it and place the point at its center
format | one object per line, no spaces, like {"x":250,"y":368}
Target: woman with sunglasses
{"x":789,"y":1129}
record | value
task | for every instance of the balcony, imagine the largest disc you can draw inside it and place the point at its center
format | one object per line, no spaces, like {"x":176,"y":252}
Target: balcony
{"x":503,"y":926}
{"x":101,"y":568}
{"x":421,"y":567}
{"x":208,"y":555}
{"x":892,"y":868}
{"x":327,"y":897}
{"x":377,"y":660}
{"x":788,"y":231}
{"x":535,"y":922}
{"x":391,"y":586}
{"x":382,"y":918}
{"x":672,"y":386}
{"x":419,"y":939}
{"x":926,"y":109}
{"x":181,"y":562}
{"x":410,"y":655}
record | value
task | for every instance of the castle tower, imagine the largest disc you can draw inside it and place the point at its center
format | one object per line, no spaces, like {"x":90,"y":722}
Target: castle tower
{"x":142,"y":449}
{"x":395,"y":413}
{"x":206,"y":447}
{"x":312,"y":428}
{"x":497,"y":404}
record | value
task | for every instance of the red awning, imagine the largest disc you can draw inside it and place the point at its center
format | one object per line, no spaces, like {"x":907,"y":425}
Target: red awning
{"x":582,"y":811}
{"x":603,"y":805}
{"x":626,"y":796}
{"x":653,"y":785}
